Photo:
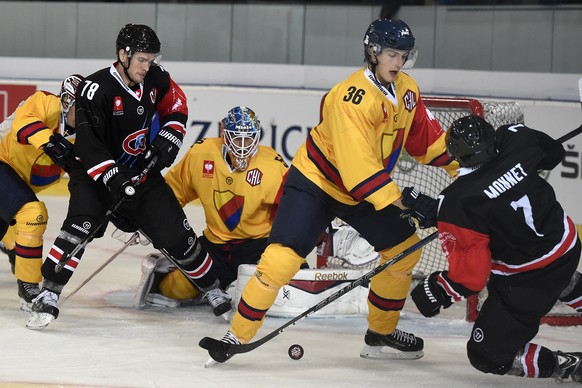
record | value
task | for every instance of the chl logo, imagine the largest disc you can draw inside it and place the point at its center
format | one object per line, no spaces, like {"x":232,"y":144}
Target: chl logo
{"x":254,"y":177}
{"x":409,"y":100}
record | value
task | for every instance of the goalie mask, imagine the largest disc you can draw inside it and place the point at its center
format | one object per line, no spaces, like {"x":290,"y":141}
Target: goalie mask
{"x":392,"y":34}
{"x":471,"y":141}
{"x":241,"y":132}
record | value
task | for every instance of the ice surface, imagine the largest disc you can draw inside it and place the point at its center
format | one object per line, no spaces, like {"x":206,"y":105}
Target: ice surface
{"x":101,"y":340}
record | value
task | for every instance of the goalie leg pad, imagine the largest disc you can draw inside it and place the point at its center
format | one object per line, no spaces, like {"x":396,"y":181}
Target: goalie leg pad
{"x":31,"y":221}
{"x":176,"y":286}
{"x":389,"y":289}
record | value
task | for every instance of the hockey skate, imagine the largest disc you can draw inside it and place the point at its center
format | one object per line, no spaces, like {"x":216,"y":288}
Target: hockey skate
{"x":229,"y":338}
{"x":217,"y":299}
{"x":568,"y":365}
{"x":27,"y":292}
{"x":398,"y":345}
{"x":44,"y":310}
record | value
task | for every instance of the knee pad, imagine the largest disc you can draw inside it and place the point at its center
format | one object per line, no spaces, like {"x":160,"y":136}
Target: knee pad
{"x":277,"y":266}
{"x":31,"y":221}
{"x":484,"y":362}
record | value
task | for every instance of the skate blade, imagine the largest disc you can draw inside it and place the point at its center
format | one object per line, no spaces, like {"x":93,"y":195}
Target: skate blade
{"x":210,"y":363}
{"x":388,"y":353}
{"x":25,"y":306}
{"x":39,"y":321}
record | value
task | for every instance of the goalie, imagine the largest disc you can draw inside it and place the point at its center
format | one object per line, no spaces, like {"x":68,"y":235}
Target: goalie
{"x":237,"y":182}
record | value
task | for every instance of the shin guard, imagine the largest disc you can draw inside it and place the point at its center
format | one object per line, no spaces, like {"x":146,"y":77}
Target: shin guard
{"x":31,"y":221}
{"x":276,"y":268}
{"x":389,"y":289}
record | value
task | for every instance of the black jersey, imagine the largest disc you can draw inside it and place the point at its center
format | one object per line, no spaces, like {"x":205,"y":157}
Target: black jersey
{"x":503,"y":217}
{"x":114,"y":121}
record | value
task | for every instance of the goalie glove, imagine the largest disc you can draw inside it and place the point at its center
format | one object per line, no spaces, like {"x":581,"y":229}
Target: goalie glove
{"x":420,"y":206}
{"x":165,"y":146}
{"x":60,"y":150}
{"x":428,"y":296}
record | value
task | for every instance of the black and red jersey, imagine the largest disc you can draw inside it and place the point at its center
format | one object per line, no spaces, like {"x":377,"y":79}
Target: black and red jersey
{"x":114,"y":121}
{"x":503,"y":218}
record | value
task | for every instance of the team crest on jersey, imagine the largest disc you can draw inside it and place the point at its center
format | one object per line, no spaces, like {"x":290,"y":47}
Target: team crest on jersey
{"x":448,"y":242}
{"x":117,"y":106}
{"x":44,"y":172}
{"x":409,"y":99}
{"x":229,"y":207}
{"x":153,"y":95}
{"x":135,"y":143}
{"x":254,"y":177}
{"x":140,"y":110}
{"x":208,"y":169}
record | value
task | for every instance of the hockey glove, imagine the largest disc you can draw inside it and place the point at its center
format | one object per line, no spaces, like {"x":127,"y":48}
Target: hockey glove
{"x":422,"y":207}
{"x":428,"y":296}
{"x":165,"y":146}
{"x":118,"y":180}
{"x":60,"y":150}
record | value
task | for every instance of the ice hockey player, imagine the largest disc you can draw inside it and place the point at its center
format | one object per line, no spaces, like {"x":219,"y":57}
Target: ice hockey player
{"x":115,"y":107}
{"x":499,"y":220}
{"x":34,"y":152}
{"x":343,"y":169}
{"x":238,"y":184}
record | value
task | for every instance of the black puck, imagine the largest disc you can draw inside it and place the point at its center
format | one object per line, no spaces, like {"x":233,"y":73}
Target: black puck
{"x":295,"y":352}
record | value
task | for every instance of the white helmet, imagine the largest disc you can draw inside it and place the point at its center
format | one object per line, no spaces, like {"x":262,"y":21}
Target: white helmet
{"x":68,"y":90}
{"x":241,"y":135}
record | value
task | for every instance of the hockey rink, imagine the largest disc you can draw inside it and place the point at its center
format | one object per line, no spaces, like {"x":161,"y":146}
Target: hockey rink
{"x":100,"y":340}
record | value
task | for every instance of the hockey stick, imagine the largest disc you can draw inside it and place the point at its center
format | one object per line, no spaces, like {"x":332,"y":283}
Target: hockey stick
{"x":133,"y":240}
{"x":222,"y":351}
{"x":66,"y":257}
{"x":578,"y":130}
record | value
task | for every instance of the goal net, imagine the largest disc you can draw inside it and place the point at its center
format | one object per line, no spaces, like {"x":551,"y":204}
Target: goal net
{"x":432,"y":181}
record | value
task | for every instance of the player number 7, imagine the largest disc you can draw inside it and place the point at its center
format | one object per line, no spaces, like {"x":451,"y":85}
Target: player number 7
{"x":524,"y":203}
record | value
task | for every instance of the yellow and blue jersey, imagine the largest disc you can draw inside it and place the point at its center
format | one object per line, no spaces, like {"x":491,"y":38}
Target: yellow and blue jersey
{"x":34,"y":121}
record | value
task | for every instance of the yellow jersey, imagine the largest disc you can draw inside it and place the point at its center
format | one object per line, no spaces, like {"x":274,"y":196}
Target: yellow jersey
{"x":33,"y":123}
{"x":237,"y":205}
{"x":364,"y":129}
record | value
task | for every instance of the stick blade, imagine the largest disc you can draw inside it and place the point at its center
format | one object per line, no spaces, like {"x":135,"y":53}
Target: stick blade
{"x":218,"y":350}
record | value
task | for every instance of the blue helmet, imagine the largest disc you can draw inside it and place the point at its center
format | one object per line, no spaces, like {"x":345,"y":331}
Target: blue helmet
{"x":241,"y":134}
{"x":471,"y":141}
{"x":389,"y":33}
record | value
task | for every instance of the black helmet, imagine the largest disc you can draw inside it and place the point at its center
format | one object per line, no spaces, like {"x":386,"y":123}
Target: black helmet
{"x":137,"y":37}
{"x":471,"y":141}
{"x":390,"y":33}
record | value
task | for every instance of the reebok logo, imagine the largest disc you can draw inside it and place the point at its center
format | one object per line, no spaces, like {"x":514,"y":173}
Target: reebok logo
{"x":331,"y":276}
